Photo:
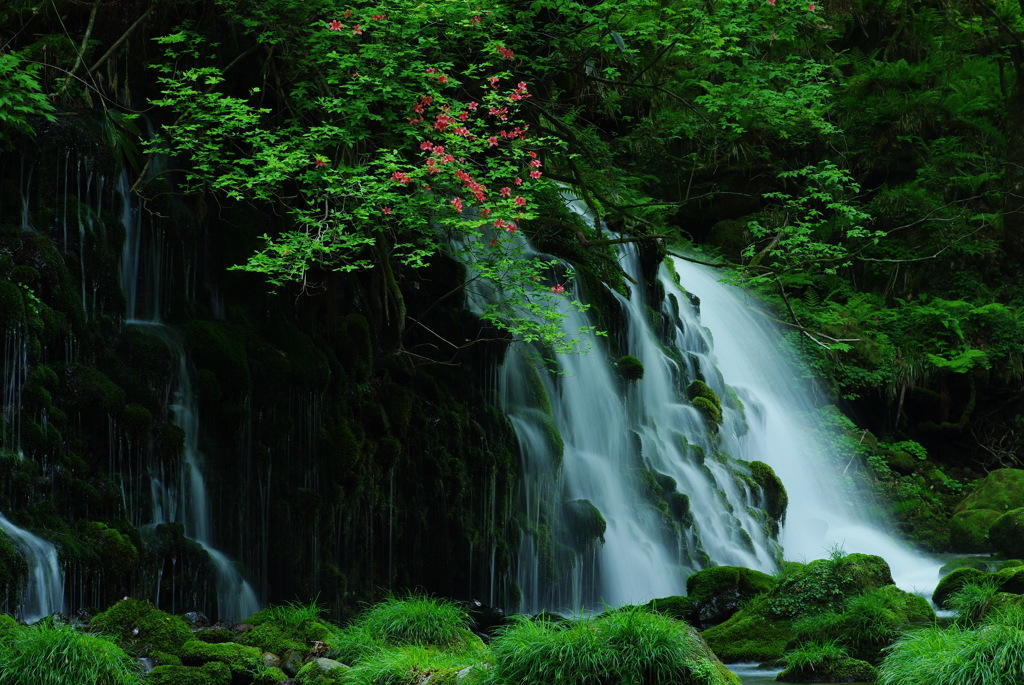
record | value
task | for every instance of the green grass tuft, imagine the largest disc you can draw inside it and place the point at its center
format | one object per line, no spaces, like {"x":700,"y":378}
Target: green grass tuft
{"x":54,"y":654}
{"x":416,"y":620}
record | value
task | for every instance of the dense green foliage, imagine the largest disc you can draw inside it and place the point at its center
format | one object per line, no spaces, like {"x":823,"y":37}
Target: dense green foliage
{"x":55,"y":654}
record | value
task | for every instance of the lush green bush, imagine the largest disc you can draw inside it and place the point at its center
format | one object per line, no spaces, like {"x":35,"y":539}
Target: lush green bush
{"x":287,"y":627}
{"x":630,"y":645}
{"x":54,"y":654}
{"x":140,"y":627}
{"x":416,"y":620}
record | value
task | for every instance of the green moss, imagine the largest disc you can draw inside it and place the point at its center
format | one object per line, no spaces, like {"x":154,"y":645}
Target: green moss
{"x":1001,"y":490}
{"x":706,"y":400}
{"x":165,"y":659}
{"x":952,"y":582}
{"x":240,"y":659}
{"x":584,"y":523}
{"x":749,"y":636}
{"x":321,"y":672}
{"x":269,"y":675}
{"x":775,"y":498}
{"x":836,"y":671}
{"x":720,"y":592}
{"x":214,"y":673}
{"x":142,"y":628}
{"x":968,"y":531}
{"x":1006,"y":534}
{"x":966,"y":562}
{"x":12,"y":306}
{"x":13,"y":574}
{"x":678,"y":607}
{"x":630,"y":368}
{"x":273,"y":638}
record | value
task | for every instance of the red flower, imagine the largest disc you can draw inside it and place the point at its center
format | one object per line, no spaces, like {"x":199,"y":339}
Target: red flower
{"x":536,"y":163}
{"x":404,"y":179}
{"x":380,"y":17}
{"x":505,"y":52}
{"x":426,"y":145}
{"x":348,"y":14}
{"x":356,"y":31}
{"x":535,"y":174}
{"x":474,"y":20}
{"x":518,"y":181}
{"x":511,"y":227}
{"x":505,"y":192}
{"x":493,"y":243}
{"x":533,"y":154}
{"x":386,"y":210}
{"x":335,"y":26}
{"x":457,"y":203}
{"x":494,"y":81}
{"x":492,"y":141}
{"x":319,"y":161}
{"x":473,"y":105}
{"x":558,"y":289}
{"x":486,"y":211}
{"x":519,"y":201}
{"x":811,"y":7}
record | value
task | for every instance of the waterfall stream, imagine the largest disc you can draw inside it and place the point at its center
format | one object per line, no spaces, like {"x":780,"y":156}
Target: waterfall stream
{"x":176,"y":497}
{"x":44,"y":594}
{"x":628,"y":487}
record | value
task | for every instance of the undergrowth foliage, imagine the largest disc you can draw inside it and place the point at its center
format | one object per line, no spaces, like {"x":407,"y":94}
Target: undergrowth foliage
{"x":54,"y":654}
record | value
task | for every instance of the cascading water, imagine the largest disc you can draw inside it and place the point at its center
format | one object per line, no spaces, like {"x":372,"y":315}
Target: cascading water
{"x":178,"y":497}
{"x":750,"y":352}
{"x":44,"y":594}
{"x":631,"y":484}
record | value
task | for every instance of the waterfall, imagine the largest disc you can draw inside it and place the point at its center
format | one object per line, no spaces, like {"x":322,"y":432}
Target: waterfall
{"x":752,"y":355}
{"x":178,"y":497}
{"x":45,"y":592}
{"x":628,"y":487}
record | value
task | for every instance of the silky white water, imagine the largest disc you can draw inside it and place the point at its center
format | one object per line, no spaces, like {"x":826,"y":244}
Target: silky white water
{"x":44,"y":594}
{"x":675,"y":494}
{"x":752,"y":355}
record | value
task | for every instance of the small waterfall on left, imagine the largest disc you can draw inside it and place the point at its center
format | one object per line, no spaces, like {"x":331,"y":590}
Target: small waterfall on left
{"x":44,"y":594}
{"x":177,"y":496}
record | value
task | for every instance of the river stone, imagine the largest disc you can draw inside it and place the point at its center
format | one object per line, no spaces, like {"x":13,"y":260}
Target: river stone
{"x":999,"y":492}
{"x":321,"y":671}
{"x":952,"y":583}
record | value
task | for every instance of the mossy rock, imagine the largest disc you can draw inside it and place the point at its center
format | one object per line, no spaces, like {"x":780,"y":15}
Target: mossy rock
{"x":629,"y":368}
{"x":142,"y":628}
{"x":720,"y":592}
{"x":1006,"y":534}
{"x":706,"y":400}
{"x":269,"y":675}
{"x":1001,"y":490}
{"x":969,"y":529}
{"x":749,"y":636}
{"x":13,"y":573}
{"x":833,"y":671}
{"x":270,"y":637}
{"x":584,"y":523}
{"x":979,"y":563}
{"x":213,"y":673}
{"x":321,"y":672}
{"x":1011,"y":580}
{"x":240,"y":659}
{"x":776,"y":498}
{"x":678,"y":607}
{"x":952,"y":582}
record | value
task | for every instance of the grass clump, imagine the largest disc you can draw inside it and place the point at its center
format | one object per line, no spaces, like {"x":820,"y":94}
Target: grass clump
{"x":54,"y":654}
{"x":991,"y":652}
{"x":287,"y":627}
{"x":416,"y":620}
{"x":631,"y":645}
{"x":412,"y":664}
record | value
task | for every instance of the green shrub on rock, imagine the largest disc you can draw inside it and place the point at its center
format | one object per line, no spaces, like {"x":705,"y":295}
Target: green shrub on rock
{"x":240,"y":659}
{"x":281,"y":628}
{"x":953,"y":582}
{"x":321,"y":672}
{"x":630,"y":368}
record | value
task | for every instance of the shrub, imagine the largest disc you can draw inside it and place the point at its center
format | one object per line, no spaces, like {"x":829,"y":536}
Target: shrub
{"x":416,"y":620}
{"x":53,"y":654}
{"x":631,"y":645}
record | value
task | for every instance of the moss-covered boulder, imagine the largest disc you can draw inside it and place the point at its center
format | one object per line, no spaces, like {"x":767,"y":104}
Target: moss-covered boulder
{"x":999,"y":492}
{"x":1006,"y":534}
{"x":213,"y":673}
{"x":704,"y":398}
{"x":952,"y":582}
{"x":833,"y":671}
{"x":718,"y":593}
{"x":584,"y":523}
{"x":321,"y":672}
{"x":762,"y":629}
{"x":629,"y":368}
{"x":142,"y":628}
{"x":241,"y":660}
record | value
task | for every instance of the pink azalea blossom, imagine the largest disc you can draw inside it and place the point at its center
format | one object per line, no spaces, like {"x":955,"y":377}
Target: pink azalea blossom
{"x":558,"y":289}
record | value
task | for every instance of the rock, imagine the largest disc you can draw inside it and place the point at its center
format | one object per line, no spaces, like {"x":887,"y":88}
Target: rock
{"x":835,"y":671}
{"x":240,"y":659}
{"x":214,"y":673}
{"x":271,"y":660}
{"x":718,"y":593}
{"x":999,"y":492}
{"x":1006,"y":534}
{"x":291,"y":663}
{"x":321,"y":671}
{"x":952,"y":582}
